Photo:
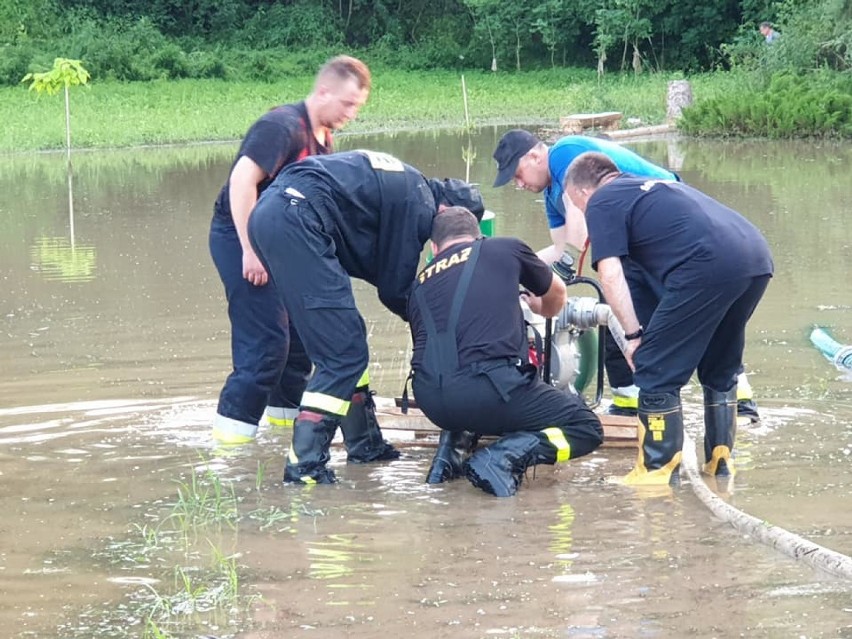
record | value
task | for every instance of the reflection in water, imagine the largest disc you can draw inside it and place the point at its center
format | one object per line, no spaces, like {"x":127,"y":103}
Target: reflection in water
{"x":333,"y":558}
{"x":561,"y":539}
{"x":60,"y":261}
{"x":132,"y":362}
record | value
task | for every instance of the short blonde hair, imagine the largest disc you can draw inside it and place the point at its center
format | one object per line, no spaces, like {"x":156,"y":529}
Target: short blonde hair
{"x":344,"y":67}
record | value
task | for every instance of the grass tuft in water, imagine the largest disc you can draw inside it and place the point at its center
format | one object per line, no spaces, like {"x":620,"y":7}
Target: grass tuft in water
{"x":204,"y":501}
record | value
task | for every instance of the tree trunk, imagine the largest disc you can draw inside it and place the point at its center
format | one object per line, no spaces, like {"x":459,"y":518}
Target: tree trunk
{"x":637,"y":60}
{"x":679,"y":97}
{"x":517,"y":50}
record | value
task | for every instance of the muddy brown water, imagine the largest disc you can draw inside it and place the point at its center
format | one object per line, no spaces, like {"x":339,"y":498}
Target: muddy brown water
{"x":115,"y":343}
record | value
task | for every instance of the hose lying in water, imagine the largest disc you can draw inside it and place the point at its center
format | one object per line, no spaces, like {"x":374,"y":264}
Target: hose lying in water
{"x":797,"y":547}
{"x":834,"y":352}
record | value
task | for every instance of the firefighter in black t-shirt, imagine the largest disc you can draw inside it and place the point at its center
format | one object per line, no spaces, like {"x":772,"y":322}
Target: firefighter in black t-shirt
{"x":271,"y":367}
{"x":706,"y":267}
{"x":325,"y":219}
{"x":471,"y":375}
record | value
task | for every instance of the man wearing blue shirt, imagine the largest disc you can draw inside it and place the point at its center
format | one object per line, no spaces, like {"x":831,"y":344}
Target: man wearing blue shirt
{"x":535,"y":167}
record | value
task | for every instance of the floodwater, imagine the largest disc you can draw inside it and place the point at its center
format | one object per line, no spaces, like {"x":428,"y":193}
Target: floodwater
{"x":120,"y":519}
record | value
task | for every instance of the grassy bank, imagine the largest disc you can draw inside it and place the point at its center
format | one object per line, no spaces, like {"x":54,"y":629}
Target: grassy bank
{"x":113,"y":114}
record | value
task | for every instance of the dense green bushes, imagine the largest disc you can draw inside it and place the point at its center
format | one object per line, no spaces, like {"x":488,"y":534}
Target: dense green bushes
{"x":256,"y":41}
{"x":122,"y":39}
{"x":797,"y":86}
{"x":818,"y":105}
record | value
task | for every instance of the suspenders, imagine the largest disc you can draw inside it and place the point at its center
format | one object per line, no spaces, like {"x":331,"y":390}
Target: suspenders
{"x":441,"y":356}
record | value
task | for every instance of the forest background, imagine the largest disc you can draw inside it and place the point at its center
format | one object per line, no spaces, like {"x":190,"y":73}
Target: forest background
{"x":606,"y":50}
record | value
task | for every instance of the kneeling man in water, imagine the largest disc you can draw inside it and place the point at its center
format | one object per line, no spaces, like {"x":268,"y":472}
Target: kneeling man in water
{"x":471,"y":375}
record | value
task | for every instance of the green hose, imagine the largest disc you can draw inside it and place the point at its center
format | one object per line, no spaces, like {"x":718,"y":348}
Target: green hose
{"x":587,"y":348}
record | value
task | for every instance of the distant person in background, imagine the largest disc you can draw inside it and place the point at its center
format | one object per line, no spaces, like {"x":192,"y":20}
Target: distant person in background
{"x":261,"y":341}
{"x":769,"y":34}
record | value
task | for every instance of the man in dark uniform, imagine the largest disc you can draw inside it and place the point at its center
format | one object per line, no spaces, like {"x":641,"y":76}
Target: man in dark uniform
{"x":361,"y":214}
{"x":708,"y":267}
{"x":261,"y":343}
{"x":539,"y":168}
{"x":470,"y":359}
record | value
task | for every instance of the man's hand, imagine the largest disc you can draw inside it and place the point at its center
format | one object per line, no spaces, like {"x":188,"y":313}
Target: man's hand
{"x":533,"y":301}
{"x":629,"y":351}
{"x":253,"y":270}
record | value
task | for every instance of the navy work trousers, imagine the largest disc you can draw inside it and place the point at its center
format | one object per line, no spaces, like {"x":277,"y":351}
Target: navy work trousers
{"x":645,"y":299}
{"x":701,"y":329}
{"x":496,"y":397}
{"x":300,"y":256}
{"x":270,"y":364}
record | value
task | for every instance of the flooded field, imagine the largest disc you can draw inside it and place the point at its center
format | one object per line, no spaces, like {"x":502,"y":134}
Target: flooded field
{"x":123,"y":520}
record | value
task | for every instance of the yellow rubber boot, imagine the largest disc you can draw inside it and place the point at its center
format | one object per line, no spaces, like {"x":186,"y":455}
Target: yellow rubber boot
{"x":660,"y":439}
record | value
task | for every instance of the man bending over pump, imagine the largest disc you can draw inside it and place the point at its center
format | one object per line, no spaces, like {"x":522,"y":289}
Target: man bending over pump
{"x":322,"y":222}
{"x":538,"y":168}
{"x":471,"y":375}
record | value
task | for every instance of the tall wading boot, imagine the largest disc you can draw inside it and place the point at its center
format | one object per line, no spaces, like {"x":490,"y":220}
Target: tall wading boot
{"x":720,"y":430}
{"x":498,"y":469}
{"x":449,"y":458}
{"x":660,"y":439}
{"x":362,"y":434}
{"x":309,"y":450}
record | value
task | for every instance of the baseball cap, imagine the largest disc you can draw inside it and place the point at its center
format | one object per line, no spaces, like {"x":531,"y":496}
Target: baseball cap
{"x":510,"y":149}
{"x":453,"y":192}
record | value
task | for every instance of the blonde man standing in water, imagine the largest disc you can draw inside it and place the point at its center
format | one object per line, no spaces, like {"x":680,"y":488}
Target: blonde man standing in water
{"x":270,"y":366}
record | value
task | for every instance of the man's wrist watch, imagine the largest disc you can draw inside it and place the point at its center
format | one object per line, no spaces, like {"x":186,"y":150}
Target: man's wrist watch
{"x":639,"y":332}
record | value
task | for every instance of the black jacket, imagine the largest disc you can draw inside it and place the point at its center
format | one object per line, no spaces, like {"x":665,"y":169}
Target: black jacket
{"x":378,"y":211}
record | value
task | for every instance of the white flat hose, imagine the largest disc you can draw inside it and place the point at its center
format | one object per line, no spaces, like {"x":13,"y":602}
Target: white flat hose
{"x":789,"y":543}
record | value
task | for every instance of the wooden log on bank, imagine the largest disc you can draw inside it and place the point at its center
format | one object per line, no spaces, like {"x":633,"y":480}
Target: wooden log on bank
{"x":579,"y":122}
{"x":618,"y":431}
{"x":641,"y":132}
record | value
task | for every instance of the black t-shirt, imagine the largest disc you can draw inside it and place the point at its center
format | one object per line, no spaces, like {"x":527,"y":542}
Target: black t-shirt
{"x":490,"y":325}
{"x":280,"y":137}
{"x":377,"y":210}
{"x":679,"y":236}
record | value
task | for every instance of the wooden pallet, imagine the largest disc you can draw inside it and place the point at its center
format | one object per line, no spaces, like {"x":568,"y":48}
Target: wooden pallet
{"x":579,"y":122}
{"x":618,"y":431}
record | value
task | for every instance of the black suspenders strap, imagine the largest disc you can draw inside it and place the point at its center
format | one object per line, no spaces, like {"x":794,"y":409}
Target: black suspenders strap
{"x":441,"y":355}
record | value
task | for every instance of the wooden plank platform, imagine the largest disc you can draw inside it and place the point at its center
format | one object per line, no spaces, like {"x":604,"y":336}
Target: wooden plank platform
{"x":579,"y":122}
{"x":619,"y":432}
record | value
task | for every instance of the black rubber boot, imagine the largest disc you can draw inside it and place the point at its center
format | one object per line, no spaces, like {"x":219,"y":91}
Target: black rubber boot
{"x":361,"y":433}
{"x":746,"y":406}
{"x":747,"y":409}
{"x":720,"y":430}
{"x":449,"y":458}
{"x":309,"y":450}
{"x":660,"y":436}
{"x":620,"y":411}
{"x":498,"y":469}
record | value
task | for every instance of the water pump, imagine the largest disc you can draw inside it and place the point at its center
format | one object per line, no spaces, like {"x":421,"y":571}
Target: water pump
{"x":569,"y":348}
